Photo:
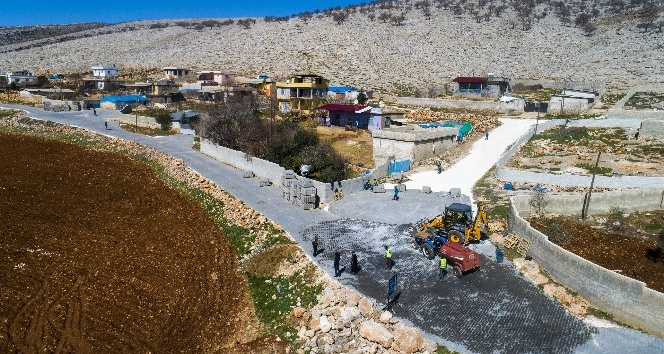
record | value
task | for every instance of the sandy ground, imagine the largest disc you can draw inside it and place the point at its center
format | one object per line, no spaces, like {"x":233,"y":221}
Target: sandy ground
{"x":470,"y":169}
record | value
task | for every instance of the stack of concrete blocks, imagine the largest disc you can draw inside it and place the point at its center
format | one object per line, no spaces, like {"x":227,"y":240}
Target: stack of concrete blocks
{"x":264,"y":182}
{"x":426,"y":189}
{"x":304,"y":195}
{"x":396,"y":175}
{"x":287,"y":179}
{"x":248,"y":174}
{"x":379,"y":188}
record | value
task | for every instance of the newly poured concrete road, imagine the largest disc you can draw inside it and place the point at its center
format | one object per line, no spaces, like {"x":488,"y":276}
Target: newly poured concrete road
{"x":494,"y":310}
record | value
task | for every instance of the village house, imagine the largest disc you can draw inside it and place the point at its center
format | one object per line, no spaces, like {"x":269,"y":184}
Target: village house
{"x":301,"y":93}
{"x":572,"y":101}
{"x":19,"y":78}
{"x":222,"y":78}
{"x":104,"y":78}
{"x":382,"y":117}
{"x":474,"y":86}
{"x":103,"y":72}
{"x":223,"y":93}
{"x":342,"y":115}
{"x":175,"y":72}
{"x":261,"y":83}
{"x":411,"y":142}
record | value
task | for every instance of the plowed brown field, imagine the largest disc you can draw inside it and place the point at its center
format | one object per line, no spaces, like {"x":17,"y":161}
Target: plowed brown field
{"x":99,"y":255}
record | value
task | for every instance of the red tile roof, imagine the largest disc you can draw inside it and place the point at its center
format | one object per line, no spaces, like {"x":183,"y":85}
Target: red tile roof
{"x":342,"y":107}
{"x":470,"y":79}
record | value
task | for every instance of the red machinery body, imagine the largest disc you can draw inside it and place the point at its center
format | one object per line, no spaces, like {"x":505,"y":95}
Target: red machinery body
{"x":462,"y":258}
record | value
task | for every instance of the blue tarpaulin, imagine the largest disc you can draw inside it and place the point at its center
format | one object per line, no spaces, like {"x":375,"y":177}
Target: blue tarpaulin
{"x":124,"y":98}
{"x":399,"y":166}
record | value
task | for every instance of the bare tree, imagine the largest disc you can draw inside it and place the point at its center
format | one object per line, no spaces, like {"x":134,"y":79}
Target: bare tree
{"x":538,"y":202}
{"x":384,"y":17}
{"x":339,"y":17}
{"x":397,"y":20}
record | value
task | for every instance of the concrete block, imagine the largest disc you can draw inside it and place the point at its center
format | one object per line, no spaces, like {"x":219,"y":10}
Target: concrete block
{"x":401,"y":187}
{"x":426,"y":189}
{"x":289,"y":174}
{"x":309,"y":191}
{"x":307,"y":206}
{"x":396,"y":175}
{"x":307,"y":183}
{"x":311,"y":199}
{"x":455,"y":192}
{"x":264,"y":182}
{"x":379,"y":188}
{"x":248,"y":174}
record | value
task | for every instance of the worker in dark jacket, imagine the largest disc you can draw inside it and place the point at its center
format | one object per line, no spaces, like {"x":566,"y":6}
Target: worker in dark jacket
{"x":337,"y":259}
{"x":314,"y":244}
{"x":353,"y":263}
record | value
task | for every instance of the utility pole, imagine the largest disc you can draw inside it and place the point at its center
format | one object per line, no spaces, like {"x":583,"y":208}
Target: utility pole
{"x":537,"y":105}
{"x":586,"y":202}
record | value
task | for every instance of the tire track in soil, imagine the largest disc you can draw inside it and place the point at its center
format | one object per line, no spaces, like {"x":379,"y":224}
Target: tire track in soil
{"x":41,"y":313}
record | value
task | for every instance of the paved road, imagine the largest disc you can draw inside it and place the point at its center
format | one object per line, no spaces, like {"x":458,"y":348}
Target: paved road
{"x":493,"y":310}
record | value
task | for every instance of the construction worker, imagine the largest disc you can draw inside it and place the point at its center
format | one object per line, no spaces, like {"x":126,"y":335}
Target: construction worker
{"x":388,"y":258}
{"x":337,"y":259}
{"x":443,"y":268}
{"x":353,"y":263}
{"x":440,"y":166}
{"x":396,"y":193}
{"x":314,"y":244}
{"x":486,"y":135}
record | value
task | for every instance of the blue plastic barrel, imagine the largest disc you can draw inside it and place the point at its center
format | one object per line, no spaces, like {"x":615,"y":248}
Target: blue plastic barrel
{"x":499,"y":256}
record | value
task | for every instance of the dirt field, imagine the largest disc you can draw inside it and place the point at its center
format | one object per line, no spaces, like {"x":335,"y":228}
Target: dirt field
{"x":574,"y":150}
{"x":625,"y":244}
{"x":101,"y":256}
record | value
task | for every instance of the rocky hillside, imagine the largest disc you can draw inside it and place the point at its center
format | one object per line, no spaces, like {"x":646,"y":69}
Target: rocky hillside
{"x":393,"y":46}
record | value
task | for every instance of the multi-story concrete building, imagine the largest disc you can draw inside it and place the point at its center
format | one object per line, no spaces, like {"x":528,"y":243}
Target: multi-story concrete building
{"x":302,"y":93}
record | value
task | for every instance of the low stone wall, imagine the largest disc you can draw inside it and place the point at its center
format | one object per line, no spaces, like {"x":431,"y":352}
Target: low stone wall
{"x":141,"y":121}
{"x":60,"y":106}
{"x":503,"y":107}
{"x":628,"y":300}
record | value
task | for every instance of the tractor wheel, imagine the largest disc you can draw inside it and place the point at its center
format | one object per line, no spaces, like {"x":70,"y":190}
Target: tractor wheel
{"x":428,"y":251}
{"x":456,"y":271}
{"x":457,"y":236}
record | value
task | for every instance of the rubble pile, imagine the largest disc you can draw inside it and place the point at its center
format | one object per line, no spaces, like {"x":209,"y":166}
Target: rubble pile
{"x":480,"y":122}
{"x":344,"y":321}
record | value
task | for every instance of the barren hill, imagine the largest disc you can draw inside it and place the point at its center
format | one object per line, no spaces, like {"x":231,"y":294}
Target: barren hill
{"x":360,"y":46}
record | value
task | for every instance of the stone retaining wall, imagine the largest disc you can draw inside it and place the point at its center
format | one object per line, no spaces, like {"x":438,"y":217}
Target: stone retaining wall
{"x":141,"y":121}
{"x":628,"y":300}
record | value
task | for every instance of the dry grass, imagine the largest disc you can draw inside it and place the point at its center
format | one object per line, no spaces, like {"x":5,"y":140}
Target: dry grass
{"x":357,"y":147}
